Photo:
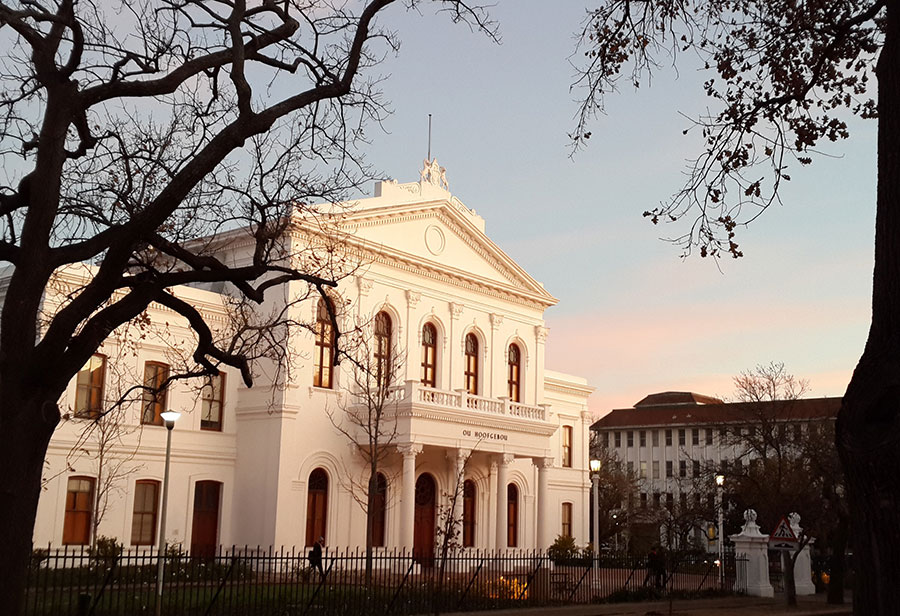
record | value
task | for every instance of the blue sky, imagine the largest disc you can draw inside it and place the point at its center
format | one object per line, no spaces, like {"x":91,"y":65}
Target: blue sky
{"x":633,"y":317}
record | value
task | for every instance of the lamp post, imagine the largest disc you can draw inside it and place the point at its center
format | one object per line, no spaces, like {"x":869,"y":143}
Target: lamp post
{"x":169,"y":418}
{"x":720,"y":482}
{"x":595,"y":480}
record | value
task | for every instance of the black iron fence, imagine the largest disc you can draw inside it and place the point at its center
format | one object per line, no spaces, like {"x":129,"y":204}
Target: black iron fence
{"x":249,"y":581}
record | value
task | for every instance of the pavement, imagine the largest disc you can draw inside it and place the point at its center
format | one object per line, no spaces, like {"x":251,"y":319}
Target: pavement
{"x":724,"y":606}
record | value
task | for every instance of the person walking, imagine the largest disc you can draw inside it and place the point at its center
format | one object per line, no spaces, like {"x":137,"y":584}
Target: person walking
{"x":315,"y":557}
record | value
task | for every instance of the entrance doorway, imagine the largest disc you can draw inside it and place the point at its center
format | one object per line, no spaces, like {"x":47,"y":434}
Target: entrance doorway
{"x":424,"y":529}
{"x":205,"y":525}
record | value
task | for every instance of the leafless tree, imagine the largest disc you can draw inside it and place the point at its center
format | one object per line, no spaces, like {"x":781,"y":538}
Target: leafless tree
{"x":784,"y":77}
{"x":130,"y":129}
{"x":618,"y":492}
{"x":368,"y":419}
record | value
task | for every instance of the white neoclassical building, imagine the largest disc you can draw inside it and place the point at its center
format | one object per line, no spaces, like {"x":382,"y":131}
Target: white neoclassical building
{"x":267,"y":466}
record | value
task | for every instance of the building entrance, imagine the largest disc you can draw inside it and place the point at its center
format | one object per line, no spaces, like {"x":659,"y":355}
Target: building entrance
{"x":423,"y":528}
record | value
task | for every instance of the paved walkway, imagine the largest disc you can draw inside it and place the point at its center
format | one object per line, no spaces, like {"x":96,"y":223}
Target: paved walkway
{"x":739,"y":606}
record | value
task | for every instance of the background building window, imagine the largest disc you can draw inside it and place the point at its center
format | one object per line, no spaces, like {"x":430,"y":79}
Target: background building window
{"x":656,"y":469}
{"x":681,"y":437}
{"x":383,"y":328}
{"x":469,"y":513}
{"x":79,"y":511}
{"x":213,"y":403}
{"x":655,"y":436}
{"x":567,"y":446}
{"x":629,"y":438}
{"x":514,"y":362}
{"x":89,"y":388}
{"x":668,"y":438}
{"x":143,"y":517}
{"x":643,"y":470}
{"x":155,"y":375}
{"x":429,"y":355}
{"x":380,"y":511}
{"x":566,"y":530}
{"x":617,"y":438}
{"x":696,"y":469}
{"x":682,"y":468}
{"x":642,"y":438}
{"x":316,"y":505}
{"x":695,"y":436}
{"x":512,"y":516}
{"x":324,"y":353}
{"x":471,"y":364}
{"x":668,"y":468}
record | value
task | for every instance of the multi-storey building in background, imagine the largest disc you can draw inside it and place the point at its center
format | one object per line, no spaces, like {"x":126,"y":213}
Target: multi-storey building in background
{"x":674,"y":443}
{"x":471,"y":400}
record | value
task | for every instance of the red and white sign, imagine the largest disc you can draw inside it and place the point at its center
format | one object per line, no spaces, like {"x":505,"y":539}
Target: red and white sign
{"x":783,"y":537}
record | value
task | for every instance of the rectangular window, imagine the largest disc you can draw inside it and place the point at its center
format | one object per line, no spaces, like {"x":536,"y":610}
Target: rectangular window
{"x":213,"y":403}
{"x":155,"y":374}
{"x":606,"y":440}
{"x":566,"y":520}
{"x":143,"y":518}
{"x":695,"y":436}
{"x":668,"y":438}
{"x":669,"y":501}
{"x":656,"y":500}
{"x":630,"y":468}
{"x":629,"y":438}
{"x":668,"y":468}
{"x":79,"y":511}
{"x":89,"y":388}
{"x":642,"y":436}
{"x":682,"y":468}
{"x":709,"y":440}
{"x":643,"y":500}
{"x":643,"y":470}
{"x":617,"y":437}
{"x":681,"y":440}
{"x":682,"y":501}
{"x":696,"y":468}
{"x":567,"y":446}
{"x":655,"y":469}
{"x":655,"y":436}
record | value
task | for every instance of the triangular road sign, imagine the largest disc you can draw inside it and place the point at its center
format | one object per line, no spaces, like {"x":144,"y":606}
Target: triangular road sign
{"x":783,"y":532}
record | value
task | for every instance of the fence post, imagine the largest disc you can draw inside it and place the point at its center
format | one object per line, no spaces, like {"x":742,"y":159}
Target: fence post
{"x":469,"y":585}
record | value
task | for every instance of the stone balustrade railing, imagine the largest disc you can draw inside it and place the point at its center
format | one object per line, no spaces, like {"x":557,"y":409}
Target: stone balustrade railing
{"x":416,"y":393}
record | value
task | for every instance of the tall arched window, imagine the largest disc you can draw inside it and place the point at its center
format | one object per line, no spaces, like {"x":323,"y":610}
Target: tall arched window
{"x":472,"y":364}
{"x":316,"y":505}
{"x":429,"y":355}
{"x":512,"y":515}
{"x":323,"y":363}
{"x":513,"y":379}
{"x":379,"y":511}
{"x":468,"y":513}
{"x":383,"y":348}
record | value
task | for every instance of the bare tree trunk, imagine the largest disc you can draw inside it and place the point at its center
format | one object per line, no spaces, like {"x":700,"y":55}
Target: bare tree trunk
{"x":370,"y":519}
{"x":868,"y":426}
{"x":26,"y":429}
{"x":837,"y":561}
{"x":787,"y":569}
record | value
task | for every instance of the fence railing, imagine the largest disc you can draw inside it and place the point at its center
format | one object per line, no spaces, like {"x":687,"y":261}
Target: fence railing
{"x":255,"y":581}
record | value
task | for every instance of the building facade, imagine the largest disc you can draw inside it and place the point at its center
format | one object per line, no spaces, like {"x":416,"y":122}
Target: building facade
{"x":674,"y":443}
{"x":472,"y":407}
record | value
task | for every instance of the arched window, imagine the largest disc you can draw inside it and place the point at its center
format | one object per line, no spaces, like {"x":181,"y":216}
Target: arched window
{"x":316,"y":505}
{"x":513,"y":379}
{"x":379,"y":511}
{"x":472,"y":364}
{"x":468,"y":513}
{"x":79,"y":511}
{"x":383,"y":348}
{"x":512,"y":515}
{"x":429,"y":355}
{"x":324,"y":347}
{"x":146,"y":508}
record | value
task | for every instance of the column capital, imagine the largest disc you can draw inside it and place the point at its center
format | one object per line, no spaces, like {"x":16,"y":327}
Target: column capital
{"x":505,"y":458}
{"x":496,"y":320}
{"x":456,"y":310}
{"x":409,"y":449}
{"x":542,"y":463}
{"x":541,"y":332}
{"x":413,"y":298}
{"x":365,"y":286}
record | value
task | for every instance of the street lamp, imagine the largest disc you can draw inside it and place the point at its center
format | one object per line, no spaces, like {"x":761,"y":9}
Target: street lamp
{"x":595,"y":480}
{"x":169,"y":418}
{"x":720,"y":482}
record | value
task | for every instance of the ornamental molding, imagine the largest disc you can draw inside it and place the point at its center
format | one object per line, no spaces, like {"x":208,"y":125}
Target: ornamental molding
{"x":506,"y":459}
{"x":463,"y":418}
{"x":496,"y":321}
{"x":541,"y":333}
{"x":413,"y":298}
{"x":410,"y":449}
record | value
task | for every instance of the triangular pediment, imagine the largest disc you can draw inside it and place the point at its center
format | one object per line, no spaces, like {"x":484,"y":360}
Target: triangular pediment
{"x":437,"y":232}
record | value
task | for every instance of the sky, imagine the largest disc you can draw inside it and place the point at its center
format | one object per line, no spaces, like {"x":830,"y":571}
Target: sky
{"x":633,"y":317}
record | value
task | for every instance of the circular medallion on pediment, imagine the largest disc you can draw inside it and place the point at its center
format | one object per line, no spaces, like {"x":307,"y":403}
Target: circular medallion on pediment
{"x":434,"y":240}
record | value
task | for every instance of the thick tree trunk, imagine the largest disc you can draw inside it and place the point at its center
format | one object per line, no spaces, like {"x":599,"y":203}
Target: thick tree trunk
{"x":25,"y":430}
{"x":790,"y":585}
{"x":868,"y":427}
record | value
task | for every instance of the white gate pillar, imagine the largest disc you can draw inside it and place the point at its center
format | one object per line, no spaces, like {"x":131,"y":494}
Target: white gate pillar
{"x":802,"y":567}
{"x":753,"y":545}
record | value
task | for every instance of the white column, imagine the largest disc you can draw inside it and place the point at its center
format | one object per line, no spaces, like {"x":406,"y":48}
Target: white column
{"x":502,"y":509}
{"x":458,"y":479}
{"x":544,"y":538}
{"x":408,"y":493}
{"x":490,"y":533}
